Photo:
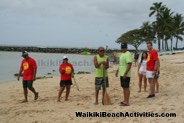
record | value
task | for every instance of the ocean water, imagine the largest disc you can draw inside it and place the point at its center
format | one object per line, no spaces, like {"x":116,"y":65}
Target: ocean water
{"x":46,"y":62}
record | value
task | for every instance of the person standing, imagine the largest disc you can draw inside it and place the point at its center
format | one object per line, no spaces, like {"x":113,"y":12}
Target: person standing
{"x":142,"y":71}
{"x":29,"y":69}
{"x":156,"y":77}
{"x":66,"y":69}
{"x":136,"y":57}
{"x":101,"y":63}
{"x":124,"y":70}
{"x":151,"y":68}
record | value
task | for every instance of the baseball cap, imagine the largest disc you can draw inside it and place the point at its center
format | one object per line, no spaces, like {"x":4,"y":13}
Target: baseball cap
{"x":65,"y":57}
{"x":24,"y":53}
{"x":123,"y":45}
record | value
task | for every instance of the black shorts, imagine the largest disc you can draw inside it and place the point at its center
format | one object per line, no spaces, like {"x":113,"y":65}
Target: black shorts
{"x":27,"y":83}
{"x":125,"y":82}
{"x":64,"y":83}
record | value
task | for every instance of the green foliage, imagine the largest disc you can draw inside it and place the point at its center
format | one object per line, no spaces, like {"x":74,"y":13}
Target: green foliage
{"x":165,"y":27}
{"x":135,"y":37}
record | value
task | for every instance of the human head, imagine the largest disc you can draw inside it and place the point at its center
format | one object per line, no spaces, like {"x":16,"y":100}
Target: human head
{"x":65,"y":59}
{"x":149,"y":46}
{"x":25,"y":54}
{"x":101,"y":51}
{"x":124,"y":47}
{"x":144,"y":54}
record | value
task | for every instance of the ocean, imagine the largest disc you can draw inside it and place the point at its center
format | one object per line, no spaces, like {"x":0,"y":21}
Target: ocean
{"x":48,"y":63}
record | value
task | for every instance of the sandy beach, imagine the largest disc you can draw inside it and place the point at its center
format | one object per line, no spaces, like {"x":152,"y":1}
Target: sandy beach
{"x":46,"y":109}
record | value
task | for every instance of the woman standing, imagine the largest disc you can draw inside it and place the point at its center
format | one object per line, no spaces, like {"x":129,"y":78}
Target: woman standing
{"x":142,"y":71}
{"x":65,"y":69}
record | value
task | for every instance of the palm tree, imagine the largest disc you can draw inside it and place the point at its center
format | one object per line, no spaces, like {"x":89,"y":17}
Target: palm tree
{"x":179,"y":28}
{"x":168,"y":28}
{"x":157,"y":9}
{"x":147,"y":31}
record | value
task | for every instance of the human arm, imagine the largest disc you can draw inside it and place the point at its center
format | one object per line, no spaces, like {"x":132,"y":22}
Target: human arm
{"x":34,"y":77}
{"x":127,"y":70}
{"x":34,"y":69}
{"x":156,"y":67}
{"x":96,"y":64}
{"x":72,"y":72}
{"x":19,"y":74}
{"x":61,"y":69}
{"x":106,"y":64}
{"x":129,"y":64}
{"x":20,"y":71}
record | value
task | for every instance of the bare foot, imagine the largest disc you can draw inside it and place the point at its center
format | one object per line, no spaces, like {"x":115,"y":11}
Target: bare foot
{"x":24,"y":101}
{"x":36,"y":96}
{"x":96,"y":103}
{"x":66,"y":99}
{"x":124,"y":104}
{"x":58,"y":100}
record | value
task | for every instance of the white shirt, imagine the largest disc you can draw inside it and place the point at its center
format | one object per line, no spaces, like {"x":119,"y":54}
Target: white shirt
{"x":143,"y":65}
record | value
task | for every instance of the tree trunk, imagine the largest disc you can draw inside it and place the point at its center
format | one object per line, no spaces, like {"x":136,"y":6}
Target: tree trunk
{"x":159,"y":43}
{"x":171,"y":45}
{"x":162,"y":44}
{"x":176,"y":43}
{"x":136,"y":48}
{"x":166,"y":45}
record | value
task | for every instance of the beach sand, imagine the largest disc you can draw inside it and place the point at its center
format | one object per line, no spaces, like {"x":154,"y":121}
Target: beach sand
{"x":46,"y":109}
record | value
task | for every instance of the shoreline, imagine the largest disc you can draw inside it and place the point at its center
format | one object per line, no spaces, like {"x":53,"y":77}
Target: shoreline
{"x":46,"y":109}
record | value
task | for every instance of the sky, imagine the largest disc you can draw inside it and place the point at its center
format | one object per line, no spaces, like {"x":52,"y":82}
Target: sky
{"x":74,"y":23}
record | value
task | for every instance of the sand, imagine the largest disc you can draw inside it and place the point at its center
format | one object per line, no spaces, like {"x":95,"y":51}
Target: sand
{"x":46,"y":109}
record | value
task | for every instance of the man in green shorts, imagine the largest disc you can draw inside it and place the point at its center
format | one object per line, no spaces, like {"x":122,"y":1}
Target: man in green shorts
{"x":124,"y":70}
{"x":101,"y":63}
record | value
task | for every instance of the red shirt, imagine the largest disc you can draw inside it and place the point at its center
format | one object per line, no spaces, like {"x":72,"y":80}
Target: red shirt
{"x":68,"y":68}
{"x":151,"y":60}
{"x":28,"y":66}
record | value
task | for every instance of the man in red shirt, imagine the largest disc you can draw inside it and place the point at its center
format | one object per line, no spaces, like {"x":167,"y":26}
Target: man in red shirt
{"x":66,"y":69}
{"x":151,"y":68}
{"x":29,"y":68}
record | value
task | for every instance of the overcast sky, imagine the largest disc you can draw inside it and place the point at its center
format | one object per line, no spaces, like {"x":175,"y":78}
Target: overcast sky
{"x":73,"y":23}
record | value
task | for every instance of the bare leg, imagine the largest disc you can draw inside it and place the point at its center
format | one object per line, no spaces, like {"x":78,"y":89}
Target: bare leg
{"x":124,"y":98}
{"x":127,"y":95}
{"x":152,"y":86}
{"x":103,"y":93}
{"x":96,"y":96}
{"x":25,"y":95}
{"x":156,"y":85}
{"x":60,"y":93}
{"x":67,"y":92}
{"x":140,"y":81}
{"x":35,"y":93}
{"x":145,"y":83}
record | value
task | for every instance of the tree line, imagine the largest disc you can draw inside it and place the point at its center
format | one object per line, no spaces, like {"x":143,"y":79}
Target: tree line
{"x":166,"y":27}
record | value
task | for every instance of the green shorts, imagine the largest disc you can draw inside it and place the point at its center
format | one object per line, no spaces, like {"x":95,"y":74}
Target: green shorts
{"x":99,"y":82}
